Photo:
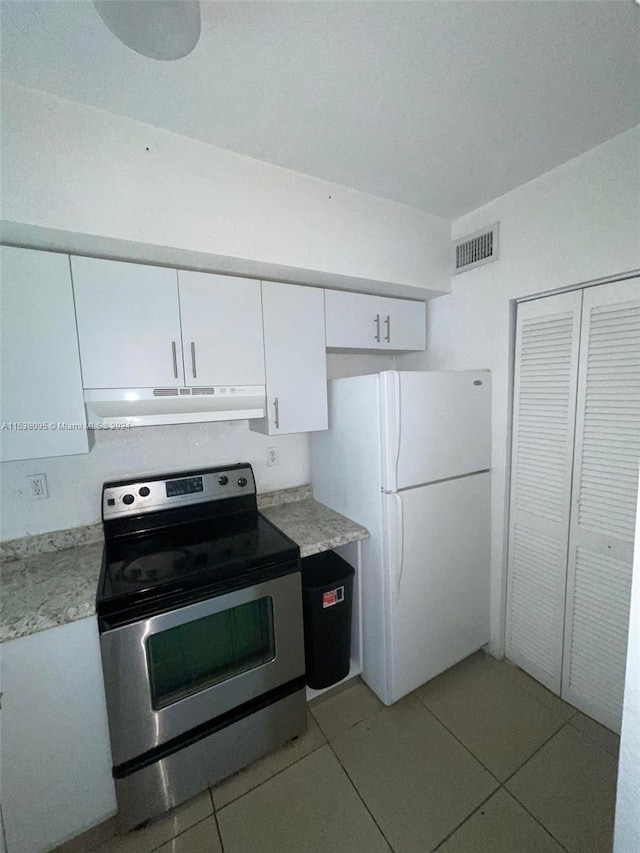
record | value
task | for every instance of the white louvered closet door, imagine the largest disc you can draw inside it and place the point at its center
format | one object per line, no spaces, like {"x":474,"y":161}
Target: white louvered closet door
{"x":547,"y":343}
{"x":603,"y":506}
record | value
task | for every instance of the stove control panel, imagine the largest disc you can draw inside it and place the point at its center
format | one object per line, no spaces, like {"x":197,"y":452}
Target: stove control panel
{"x":151,"y":494}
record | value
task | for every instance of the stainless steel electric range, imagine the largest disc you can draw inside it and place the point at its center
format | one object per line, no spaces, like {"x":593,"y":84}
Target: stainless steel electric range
{"x":200,"y":617}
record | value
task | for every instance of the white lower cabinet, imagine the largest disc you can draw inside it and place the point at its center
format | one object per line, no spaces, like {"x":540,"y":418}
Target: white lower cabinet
{"x":42,"y":402}
{"x":56,"y":758}
{"x":295,"y":357}
{"x":366,"y":322}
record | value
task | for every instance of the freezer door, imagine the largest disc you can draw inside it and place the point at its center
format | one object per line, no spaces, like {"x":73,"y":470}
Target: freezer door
{"x":435,"y":426}
{"x":438,"y":567}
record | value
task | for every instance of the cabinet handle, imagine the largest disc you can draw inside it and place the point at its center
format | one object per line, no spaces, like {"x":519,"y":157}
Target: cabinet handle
{"x":193,"y":360}
{"x":377,"y":322}
{"x":175,"y":359}
{"x":388,"y":325}
{"x":276,"y":406}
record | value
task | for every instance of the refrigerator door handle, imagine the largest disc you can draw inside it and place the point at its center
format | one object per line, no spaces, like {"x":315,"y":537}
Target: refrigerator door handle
{"x":398,"y":427}
{"x":399,"y":549}
{"x":391,"y":427}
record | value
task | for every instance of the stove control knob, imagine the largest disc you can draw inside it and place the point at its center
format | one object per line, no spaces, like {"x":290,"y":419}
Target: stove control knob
{"x":223,"y":480}
{"x":128,"y":499}
{"x":242,"y":481}
{"x":144,"y":492}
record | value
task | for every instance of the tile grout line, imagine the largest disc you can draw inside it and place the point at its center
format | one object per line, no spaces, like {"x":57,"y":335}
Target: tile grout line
{"x":182,"y":832}
{"x":484,"y":802}
{"x":538,"y":821}
{"x":264,"y":781}
{"x":593,"y":740}
{"x":499,"y":666}
{"x":535,"y":752}
{"x":500,"y":783}
{"x":462,"y":822}
{"x":457,"y":739}
{"x":495,"y":665}
{"x":519,"y":801}
{"x":359,"y":795}
{"x":479,"y":806}
{"x":215,"y":817}
{"x":520,"y":766}
{"x":293,"y":763}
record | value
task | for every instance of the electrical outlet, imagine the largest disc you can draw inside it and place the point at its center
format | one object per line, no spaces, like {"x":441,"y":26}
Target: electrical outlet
{"x":37,"y":486}
{"x":272,"y":456}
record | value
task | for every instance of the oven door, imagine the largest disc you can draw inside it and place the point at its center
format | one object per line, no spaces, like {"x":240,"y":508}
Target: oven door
{"x":174,"y":671}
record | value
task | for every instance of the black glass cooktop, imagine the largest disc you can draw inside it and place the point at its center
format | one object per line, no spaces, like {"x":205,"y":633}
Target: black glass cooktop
{"x":188,"y":557}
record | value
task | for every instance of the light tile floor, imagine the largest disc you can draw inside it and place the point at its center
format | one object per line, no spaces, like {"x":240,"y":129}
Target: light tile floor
{"x":482,"y":759}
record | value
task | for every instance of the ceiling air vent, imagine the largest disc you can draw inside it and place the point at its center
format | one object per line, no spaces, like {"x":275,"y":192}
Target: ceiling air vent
{"x":476,"y":249}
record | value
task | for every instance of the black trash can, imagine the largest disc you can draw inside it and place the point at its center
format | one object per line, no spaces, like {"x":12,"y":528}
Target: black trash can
{"x":327,"y":595}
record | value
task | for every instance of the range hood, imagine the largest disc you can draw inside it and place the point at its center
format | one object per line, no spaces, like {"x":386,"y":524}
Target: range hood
{"x":158,"y":406}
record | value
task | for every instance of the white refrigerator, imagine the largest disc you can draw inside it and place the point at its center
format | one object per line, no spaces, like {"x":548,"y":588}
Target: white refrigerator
{"x":407,"y":455}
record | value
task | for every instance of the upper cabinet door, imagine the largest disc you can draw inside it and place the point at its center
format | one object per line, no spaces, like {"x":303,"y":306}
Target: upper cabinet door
{"x":128,"y":324}
{"x":295,"y":359}
{"x":365,"y":322}
{"x":41,"y":382}
{"x":222,"y":334}
{"x":354,"y":320}
{"x":404,"y":324}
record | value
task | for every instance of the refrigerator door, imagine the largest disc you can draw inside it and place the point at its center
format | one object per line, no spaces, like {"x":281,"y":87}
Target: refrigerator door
{"x":437,"y":553}
{"x":435,"y":426}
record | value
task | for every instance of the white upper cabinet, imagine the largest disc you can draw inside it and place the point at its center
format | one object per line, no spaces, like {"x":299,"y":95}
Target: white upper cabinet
{"x":41,"y":382}
{"x":361,"y":321}
{"x":128,"y":324}
{"x":151,"y":327}
{"x":405,"y":324}
{"x":296,"y":363}
{"x":221,"y":329}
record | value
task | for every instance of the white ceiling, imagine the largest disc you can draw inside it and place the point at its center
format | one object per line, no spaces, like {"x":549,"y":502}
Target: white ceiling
{"x":440,"y":105}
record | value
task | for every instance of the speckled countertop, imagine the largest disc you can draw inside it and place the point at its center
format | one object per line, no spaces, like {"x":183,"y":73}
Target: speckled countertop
{"x":45,"y":590}
{"x":314,"y":526}
{"x":51,"y":579}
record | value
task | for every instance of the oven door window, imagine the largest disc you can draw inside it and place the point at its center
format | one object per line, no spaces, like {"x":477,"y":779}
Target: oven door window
{"x":192,"y":657}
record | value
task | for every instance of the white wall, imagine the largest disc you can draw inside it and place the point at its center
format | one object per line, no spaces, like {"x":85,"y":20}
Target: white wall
{"x":577,"y":223}
{"x":115,"y":186}
{"x":80,"y":179}
{"x":357,"y":364}
{"x":627,"y":826}
{"x":75,"y":482}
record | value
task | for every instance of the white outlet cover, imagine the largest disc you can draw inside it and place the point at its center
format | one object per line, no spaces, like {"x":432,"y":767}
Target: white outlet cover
{"x":37,"y":486}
